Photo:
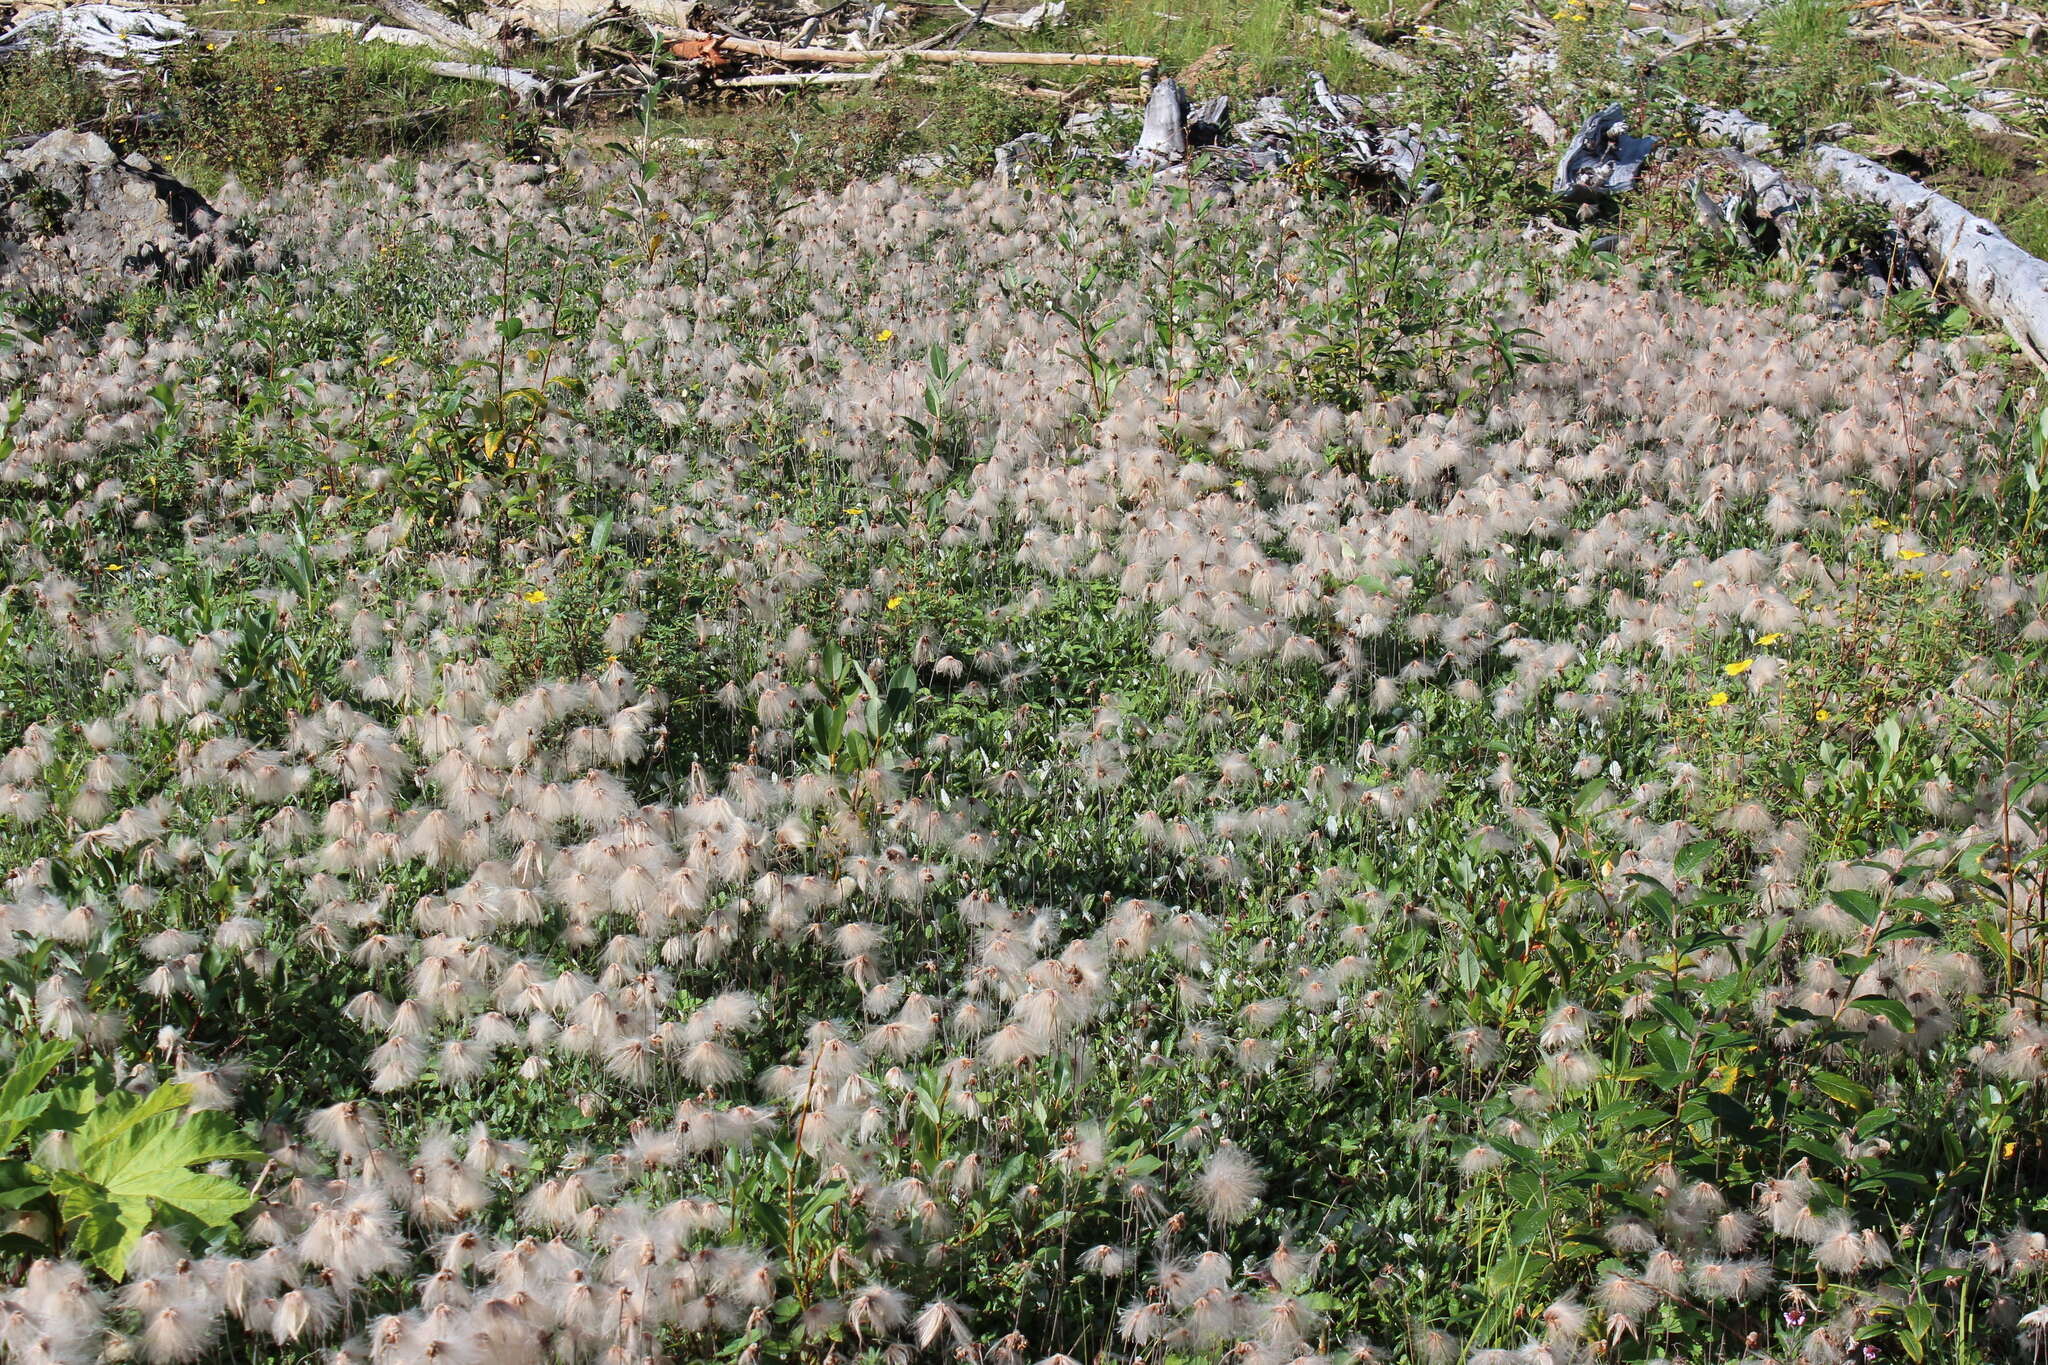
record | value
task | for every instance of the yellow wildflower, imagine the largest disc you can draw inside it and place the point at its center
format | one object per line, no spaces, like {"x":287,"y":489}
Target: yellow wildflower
{"x":886,"y":334}
{"x":856,"y":511}
{"x":1912,"y":554}
{"x":1738,"y":668}
{"x":536,"y":597}
{"x":1718,"y":699}
{"x":1699,"y":582}
{"x":1823,"y":714}
{"x":893,"y":603}
{"x":1771,"y":639}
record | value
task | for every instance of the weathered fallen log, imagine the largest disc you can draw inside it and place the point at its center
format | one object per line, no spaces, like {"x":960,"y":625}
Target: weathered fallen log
{"x":832,"y":56}
{"x":444,"y":34}
{"x":368,"y":32}
{"x":1987,"y":269}
{"x":796,"y":79}
{"x":1044,"y":15}
{"x":1731,"y":128}
{"x":527,"y":87}
{"x":107,"y":32}
{"x":1332,"y":24}
{"x":1771,"y":195}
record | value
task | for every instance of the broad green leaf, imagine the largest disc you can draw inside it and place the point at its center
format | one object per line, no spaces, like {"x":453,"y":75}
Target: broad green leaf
{"x":1695,"y":856}
{"x":1891,"y":1011}
{"x":1841,"y":1089}
{"x":20,"y":1101}
{"x":102,"y":1230}
{"x":135,"y":1152}
{"x":1860,"y":904}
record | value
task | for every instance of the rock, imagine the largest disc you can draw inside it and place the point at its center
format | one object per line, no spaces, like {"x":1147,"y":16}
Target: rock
{"x":80,"y":219}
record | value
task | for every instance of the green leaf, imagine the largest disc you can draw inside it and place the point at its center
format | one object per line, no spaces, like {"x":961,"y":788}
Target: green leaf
{"x":1695,"y":856}
{"x":103,"y":1231}
{"x":1892,"y":1011}
{"x":133,"y":1153}
{"x":1861,"y":904}
{"x":19,"y":1101}
{"x":1528,"y":1224}
{"x":1841,"y":1089}
{"x":19,"y":1186}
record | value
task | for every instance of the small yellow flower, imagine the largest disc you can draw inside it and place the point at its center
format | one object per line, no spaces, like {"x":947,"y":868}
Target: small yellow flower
{"x":1699,"y":582}
{"x":536,"y":597}
{"x":115,"y":568}
{"x":892,"y":603}
{"x":1948,"y":573}
{"x":1912,"y":554}
{"x":856,"y":511}
{"x":1718,"y":699}
{"x":1770,"y":639}
{"x":886,"y":334}
{"x":1738,"y":668}
{"x":388,"y":360}
{"x":1823,"y":714}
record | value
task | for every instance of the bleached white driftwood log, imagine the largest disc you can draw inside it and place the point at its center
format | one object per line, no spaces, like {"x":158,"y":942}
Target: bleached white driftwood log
{"x":1770,"y":193}
{"x":1985,"y":268}
{"x":1332,"y":24}
{"x":527,"y":87}
{"x":367,"y":33}
{"x":96,"y":31}
{"x":445,"y":34}
{"x":797,"y":79}
{"x":832,"y":56}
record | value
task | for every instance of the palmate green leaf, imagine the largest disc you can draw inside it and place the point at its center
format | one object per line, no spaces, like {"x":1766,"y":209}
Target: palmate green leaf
{"x":133,"y":1154}
{"x":102,"y":1230}
{"x":143,"y":1147}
